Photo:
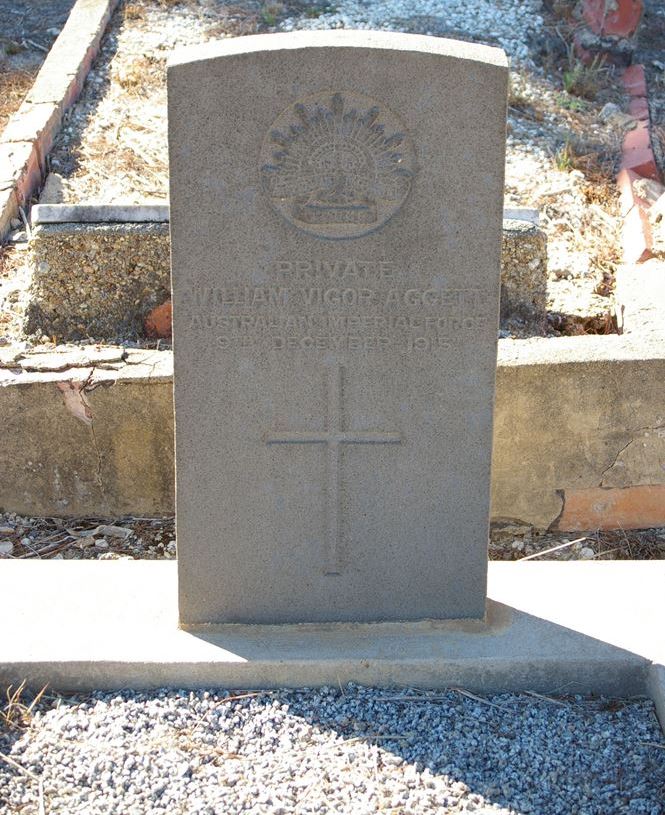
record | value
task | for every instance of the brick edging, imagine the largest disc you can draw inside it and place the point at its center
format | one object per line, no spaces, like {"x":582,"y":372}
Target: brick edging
{"x":639,"y":178}
{"x":26,"y":140}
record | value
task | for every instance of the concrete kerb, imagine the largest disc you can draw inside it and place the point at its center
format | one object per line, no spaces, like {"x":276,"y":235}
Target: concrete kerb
{"x":114,"y":625}
{"x":159,"y":213}
{"x":578,"y":437}
{"x":56,"y":87}
{"x":99,"y":213}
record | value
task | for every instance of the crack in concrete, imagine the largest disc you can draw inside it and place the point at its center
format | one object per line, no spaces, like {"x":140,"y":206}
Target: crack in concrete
{"x":634,"y":437}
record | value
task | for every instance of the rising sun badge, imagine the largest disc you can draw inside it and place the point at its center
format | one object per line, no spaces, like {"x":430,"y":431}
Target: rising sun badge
{"x":337,"y":165}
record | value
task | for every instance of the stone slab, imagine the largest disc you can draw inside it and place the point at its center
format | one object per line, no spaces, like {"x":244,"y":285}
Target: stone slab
{"x":338,"y":279}
{"x":553,"y":627}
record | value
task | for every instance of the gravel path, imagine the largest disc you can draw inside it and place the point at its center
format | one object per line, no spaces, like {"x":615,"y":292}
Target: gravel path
{"x":511,"y":25}
{"x":344,"y":751}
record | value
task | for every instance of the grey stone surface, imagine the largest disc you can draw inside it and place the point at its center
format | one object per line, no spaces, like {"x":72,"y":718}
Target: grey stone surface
{"x":99,"y":625}
{"x":335,"y":324}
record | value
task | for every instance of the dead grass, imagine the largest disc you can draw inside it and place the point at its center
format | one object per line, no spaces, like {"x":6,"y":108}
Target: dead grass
{"x":234,"y":21}
{"x":18,"y":708}
{"x":14,"y":84}
{"x":585,"y":81}
{"x":635,"y":544}
{"x":140,"y":76}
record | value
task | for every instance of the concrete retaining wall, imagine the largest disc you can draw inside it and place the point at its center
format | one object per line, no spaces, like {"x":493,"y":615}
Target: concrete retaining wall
{"x":579,"y":435}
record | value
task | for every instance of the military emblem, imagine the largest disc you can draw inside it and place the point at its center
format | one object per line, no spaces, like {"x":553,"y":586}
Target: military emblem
{"x":337,"y":165}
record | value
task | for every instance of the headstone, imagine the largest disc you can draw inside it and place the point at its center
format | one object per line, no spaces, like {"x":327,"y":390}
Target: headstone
{"x":336,"y":214}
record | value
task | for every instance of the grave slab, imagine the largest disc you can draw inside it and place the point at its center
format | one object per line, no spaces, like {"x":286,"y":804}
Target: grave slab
{"x":557,"y":627}
{"x":336,"y":215}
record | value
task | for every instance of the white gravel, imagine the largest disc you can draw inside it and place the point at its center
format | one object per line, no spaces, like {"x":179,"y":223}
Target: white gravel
{"x":344,"y":751}
{"x":508,"y":23}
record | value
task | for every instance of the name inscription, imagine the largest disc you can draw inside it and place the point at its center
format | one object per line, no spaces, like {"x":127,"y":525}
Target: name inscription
{"x":321,"y":306}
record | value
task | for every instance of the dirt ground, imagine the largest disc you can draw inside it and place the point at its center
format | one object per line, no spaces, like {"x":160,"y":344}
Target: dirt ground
{"x":155,"y":539}
{"x":27,"y":31}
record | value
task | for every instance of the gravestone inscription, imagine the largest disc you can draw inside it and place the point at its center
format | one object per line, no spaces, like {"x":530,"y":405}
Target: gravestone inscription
{"x":336,"y":215}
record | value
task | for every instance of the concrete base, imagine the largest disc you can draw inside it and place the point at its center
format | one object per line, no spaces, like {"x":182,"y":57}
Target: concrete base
{"x":557,"y":627}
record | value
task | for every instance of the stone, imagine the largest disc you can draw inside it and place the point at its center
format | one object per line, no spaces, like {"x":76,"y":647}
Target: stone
{"x":617,"y":18}
{"x":129,"y":469}
{"x":6,"y":547}
{"x":59,"y":213}
{"x":336,"y":215}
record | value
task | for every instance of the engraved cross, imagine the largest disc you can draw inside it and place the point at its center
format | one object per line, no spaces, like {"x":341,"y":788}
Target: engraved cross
{"x":333,"y":437}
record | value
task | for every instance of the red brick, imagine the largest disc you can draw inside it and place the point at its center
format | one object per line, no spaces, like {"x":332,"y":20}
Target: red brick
{"x":637,"y":507}
{"x":638,"y":138}
{"x":634,"y":81}
{"x":157,"y":323}
{"x":619,"y":18}
{"x":639,"y":108}
{"x":641,"y":162}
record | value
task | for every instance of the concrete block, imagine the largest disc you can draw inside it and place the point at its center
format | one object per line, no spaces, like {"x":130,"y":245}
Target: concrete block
{"x":523,"y":264}
{"x":8,"y":209}
{"x":568,"y":412}
{"x":95,"y":436}
{"x":34,"y":123}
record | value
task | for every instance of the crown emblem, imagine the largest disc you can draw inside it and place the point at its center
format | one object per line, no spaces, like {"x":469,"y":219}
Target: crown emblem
{"x":337,"y":165}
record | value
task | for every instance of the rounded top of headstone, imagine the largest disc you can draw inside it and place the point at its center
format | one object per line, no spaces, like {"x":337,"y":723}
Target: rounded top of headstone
{"x":340,"y":38}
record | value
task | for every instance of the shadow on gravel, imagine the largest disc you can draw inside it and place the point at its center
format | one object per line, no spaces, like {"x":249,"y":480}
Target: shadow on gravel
{"x":525,"y":753}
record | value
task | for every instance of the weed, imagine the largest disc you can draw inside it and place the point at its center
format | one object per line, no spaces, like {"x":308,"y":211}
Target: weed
{"x":317,"y":10}
{"x":573,"y":103}
{"x":134,"y":12}
{"x":234,"y":21}
{"x":16,"y":713}
{"x":270,"y":12}
{"x":564,"y":157}
{"x":583,"y":80}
